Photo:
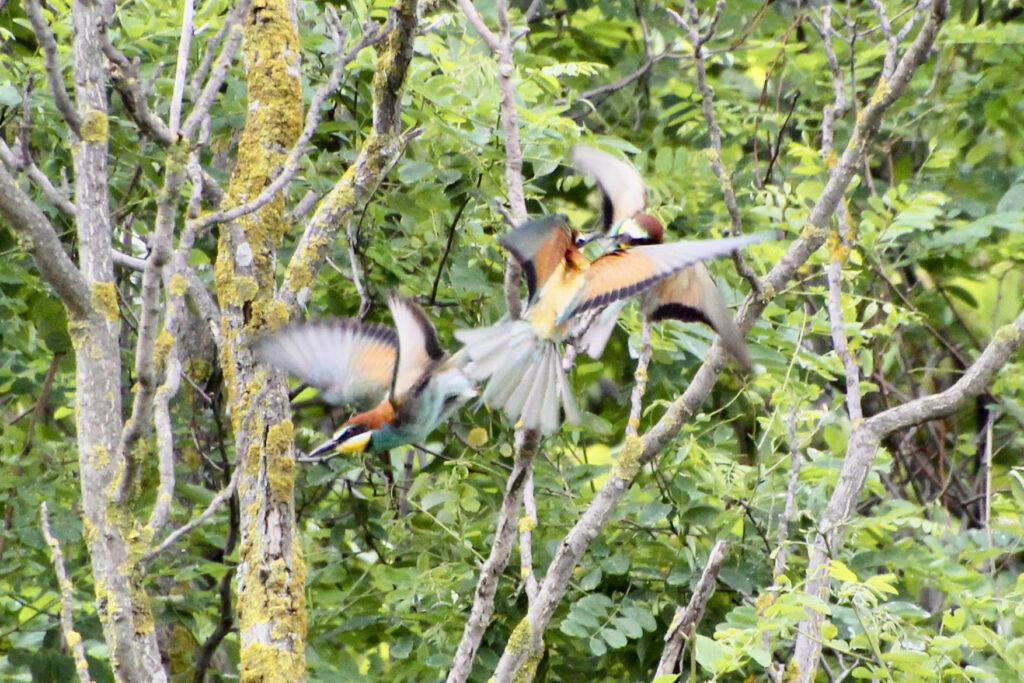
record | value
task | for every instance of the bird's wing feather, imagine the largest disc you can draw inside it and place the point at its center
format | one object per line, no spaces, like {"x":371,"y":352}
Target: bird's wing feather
{"x":350,"y":361}
{"x":623,"y":191}
{"x":539,"y":246}
{"x":623,"y":273}
{"x":691,"y":295}
{"x":418,"y":346}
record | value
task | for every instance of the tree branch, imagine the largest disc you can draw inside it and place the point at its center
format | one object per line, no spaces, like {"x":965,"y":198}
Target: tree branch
{"x":685,"y":620}
{"x":41,"y":241}
{"x":697,"y":40}
{"x":53,"y":69}
{"x":380,"y":150}
{"x":501,"y":549}
{"x":67,"y":626}
{"x":860,"y":453}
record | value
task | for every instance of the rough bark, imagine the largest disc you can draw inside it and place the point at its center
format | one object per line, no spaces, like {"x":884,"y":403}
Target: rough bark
{"x":271,"y":573}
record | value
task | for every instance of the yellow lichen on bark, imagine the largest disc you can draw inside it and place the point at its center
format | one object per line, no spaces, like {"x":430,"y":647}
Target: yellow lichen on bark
{"x":104,"y":300}
{"x":95,"y":126}
{"x":162,"y":349}
{"x":628,"y":463}
{"x":280,"y":463}
{"x":178,"y":285}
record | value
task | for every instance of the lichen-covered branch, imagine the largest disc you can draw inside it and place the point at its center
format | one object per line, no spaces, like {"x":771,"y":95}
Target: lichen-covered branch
{"x":380,"y":150}
{"x":271,"y":572}
{"x":146,"y":359}
{"x":67,"y":625}
{"x":372,"y":33}
{"x":124,"y":610}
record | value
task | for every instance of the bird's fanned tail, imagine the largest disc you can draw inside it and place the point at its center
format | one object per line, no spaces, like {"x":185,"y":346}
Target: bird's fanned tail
{"x":525,"y":374}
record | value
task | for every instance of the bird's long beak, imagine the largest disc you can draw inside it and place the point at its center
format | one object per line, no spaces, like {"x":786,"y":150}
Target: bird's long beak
{"x":583,"y":240}
{"x":353,"y":444}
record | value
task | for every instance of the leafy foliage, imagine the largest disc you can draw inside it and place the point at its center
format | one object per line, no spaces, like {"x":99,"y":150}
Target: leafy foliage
{"x":926,"y":585}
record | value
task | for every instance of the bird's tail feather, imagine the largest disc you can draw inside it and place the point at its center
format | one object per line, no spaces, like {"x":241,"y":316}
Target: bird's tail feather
{"x":524,"y":373}
{"x":596,"y":336}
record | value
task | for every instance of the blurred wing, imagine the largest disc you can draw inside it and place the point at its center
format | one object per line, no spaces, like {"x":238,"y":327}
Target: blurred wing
{"x":539,"y":246}
{"x":418,"y":346}
{"x":692,"y":296}
{"x":351,"y":362}
{"x":623,"y":191}
{"x":623,"y":273}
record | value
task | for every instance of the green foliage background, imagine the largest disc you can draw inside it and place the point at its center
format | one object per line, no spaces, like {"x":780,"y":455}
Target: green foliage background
{"x":926,"y":586}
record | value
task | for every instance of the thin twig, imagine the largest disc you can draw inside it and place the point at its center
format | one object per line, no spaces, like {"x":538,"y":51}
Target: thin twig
{"x":181,"y":68}
{"x":636,"y":398}
{"x":218,"y":500}
{"x":448,"y":243}
{"x":527,"y":523}
{"x":692,"y":28}
{"x":54,"y":73}
{"x":67,"y":626}
{"x":686,"y":619}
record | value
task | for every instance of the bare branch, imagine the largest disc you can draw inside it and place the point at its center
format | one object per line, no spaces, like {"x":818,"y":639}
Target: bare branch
{"x":840,"y":249}
{"x":218,"y":500}
{"x":129,"y":85}
{"x":201,"y":107}
{"x":636,"y":399}
{"x":527,"y":524}
{"x":478,"y":24}
{"x":692,"y":28}
{"x":56,"y":267}
{"x":67,"y":626}
{"x":181,"y":68}
{"x":36,"y":175}
{"x":685,"y":620}
{"x":149,"y":323}
{"x":501,"y":549}
{"x":890,"y":55}
{"x":53,"y":69}
{"x":165,"y":442}
{"x":790,"y":507}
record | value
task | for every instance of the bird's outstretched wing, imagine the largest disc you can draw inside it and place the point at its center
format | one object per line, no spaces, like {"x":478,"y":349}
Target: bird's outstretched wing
{"x":623,"y":192}
{"x":350,"y":361}
{"x":692,"y":296}
{"x":624,"y":273}
{"x":418,"y":347}
{"x":539,"y":246}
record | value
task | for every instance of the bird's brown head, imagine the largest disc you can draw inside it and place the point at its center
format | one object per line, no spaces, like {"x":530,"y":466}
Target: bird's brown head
{"x":643,"y":228}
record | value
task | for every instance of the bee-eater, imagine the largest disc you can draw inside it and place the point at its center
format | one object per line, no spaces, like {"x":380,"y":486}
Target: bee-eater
{"x":413,"y":382}
{"x":521,"y":357}
{"x":690,"y":295}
